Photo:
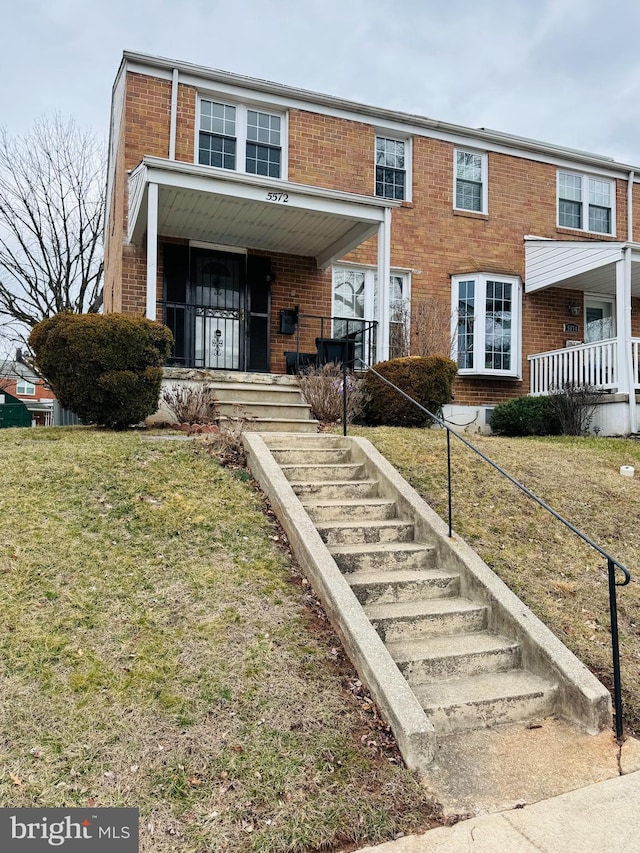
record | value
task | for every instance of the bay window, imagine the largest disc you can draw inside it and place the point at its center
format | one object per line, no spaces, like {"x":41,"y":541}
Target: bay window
{"x":486,"y":324}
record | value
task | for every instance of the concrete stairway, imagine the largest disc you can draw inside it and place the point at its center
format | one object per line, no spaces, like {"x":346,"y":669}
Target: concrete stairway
{"x":464,"y":674}
{"x":261,"y":402}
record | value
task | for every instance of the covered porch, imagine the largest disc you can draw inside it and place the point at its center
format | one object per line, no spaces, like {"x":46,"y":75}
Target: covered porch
{"x":227,"y":255}
{"x":601,"y":350}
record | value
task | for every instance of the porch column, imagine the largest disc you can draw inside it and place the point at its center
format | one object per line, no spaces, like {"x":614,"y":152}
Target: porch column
{"x":152,"y":250}
{"x":623,"y":320}
{"x":384,"y":274}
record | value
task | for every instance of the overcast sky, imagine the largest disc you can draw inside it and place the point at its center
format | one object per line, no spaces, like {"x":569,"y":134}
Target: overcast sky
{"x":563,"y":71}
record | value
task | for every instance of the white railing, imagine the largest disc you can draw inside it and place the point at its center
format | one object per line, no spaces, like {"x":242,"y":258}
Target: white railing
{"x":635,"y":357}
{"x":593,"y":364}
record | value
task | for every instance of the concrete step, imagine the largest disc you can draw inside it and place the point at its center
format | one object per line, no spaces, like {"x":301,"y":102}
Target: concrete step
{"x":323,"y":511}
{"x":485,"y":700}
{"x":311,"y":456}
{"x":287,"y":441}
{"x":270,"y":424}
{"x":333,"y":490}
{"x":385,"y":587}
{"x":452,"y":656}
{"x":332,"y":471}
{"x":251,"y":409}
{"x":358,"y":532}
{"x":408,"y":620}
{"x":385,"y":556}
{"x":225,"y":392}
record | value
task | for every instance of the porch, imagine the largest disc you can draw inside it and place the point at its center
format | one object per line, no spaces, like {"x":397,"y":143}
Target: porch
{"x":230,"y":258}
{"x":602,"y":341}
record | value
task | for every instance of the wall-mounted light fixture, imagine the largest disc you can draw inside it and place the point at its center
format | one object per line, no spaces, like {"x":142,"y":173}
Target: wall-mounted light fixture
{"x":574,"y":310}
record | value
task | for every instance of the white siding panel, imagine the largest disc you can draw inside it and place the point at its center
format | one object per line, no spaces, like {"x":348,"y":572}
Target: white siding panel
{"x":549,"y":262}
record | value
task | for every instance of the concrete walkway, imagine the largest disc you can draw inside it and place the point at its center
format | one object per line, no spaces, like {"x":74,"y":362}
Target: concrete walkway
{"x":601,"y":818}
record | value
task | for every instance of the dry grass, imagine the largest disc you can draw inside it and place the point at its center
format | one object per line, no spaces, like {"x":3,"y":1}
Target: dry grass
{"x":560,"y":578}
{"x":156,"y":652}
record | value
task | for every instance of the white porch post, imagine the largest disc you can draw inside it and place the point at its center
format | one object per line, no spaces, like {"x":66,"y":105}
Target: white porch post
{"x":623,"y":319}
{"x":384,"y":274}
{"x":152,"y":250}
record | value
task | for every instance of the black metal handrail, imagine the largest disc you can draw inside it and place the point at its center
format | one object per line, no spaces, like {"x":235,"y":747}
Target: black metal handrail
{"x":326,"y":331}
{"x":612,"y":563}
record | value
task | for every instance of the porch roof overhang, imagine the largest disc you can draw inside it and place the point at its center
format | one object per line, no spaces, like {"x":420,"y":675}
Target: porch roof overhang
{"x":578,"y":265}
{"x":207,"y":204}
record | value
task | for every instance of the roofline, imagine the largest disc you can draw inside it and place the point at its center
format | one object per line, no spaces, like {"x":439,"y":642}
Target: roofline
{"x":379,"y":113}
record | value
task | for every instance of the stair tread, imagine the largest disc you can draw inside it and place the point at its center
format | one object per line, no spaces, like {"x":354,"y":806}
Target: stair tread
{"x":448,"y":645}
{"x":433,"y":606}
{"x":322,"y":465}
{"x":275,"y":405}
{"x":335,"y":502}
{"x":398,"y":576}
{"x":368,"y":523}
{"x":269,"y":420}
{"x":367,"y":482}
{"x":488,"y":687}
{"x":381,"y":547}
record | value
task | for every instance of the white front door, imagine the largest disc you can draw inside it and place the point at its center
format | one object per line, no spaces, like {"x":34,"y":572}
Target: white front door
{"x":599,"y":319}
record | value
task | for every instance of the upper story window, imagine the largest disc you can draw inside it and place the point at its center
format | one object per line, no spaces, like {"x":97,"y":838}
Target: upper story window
{"x":470,"y":181}
{"x":586,"y":203}
{"x":25,"y":389}
{"x":391,"y":168}
{"x":233,"y":136}
{"x":486,"y":324}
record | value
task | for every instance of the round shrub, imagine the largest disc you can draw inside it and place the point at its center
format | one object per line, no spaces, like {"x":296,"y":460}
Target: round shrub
{"x":427,"y":380}
{"x":526,"y":416}
{"x":105,"y":368}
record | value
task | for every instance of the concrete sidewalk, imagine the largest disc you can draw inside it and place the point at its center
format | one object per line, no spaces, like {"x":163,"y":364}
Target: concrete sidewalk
{"x":601,"y":818}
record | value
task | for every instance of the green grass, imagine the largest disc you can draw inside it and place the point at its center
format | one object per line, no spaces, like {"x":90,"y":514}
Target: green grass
{"x":159,"y":651}
{"x":561,"y":579}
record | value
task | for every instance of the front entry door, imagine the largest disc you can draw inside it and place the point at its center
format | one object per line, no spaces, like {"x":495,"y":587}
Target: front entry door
{"x":599,"y":319}
{"x":218,"y":306}
{"x":217,"y":294}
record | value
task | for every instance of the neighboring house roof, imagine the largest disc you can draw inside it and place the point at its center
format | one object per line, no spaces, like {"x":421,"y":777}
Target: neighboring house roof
{"x":18,"y":370}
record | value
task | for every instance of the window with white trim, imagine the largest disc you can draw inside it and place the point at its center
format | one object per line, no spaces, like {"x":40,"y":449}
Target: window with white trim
{"x":240,"y":138}
{"x":391,"y":168}
{"x":486,"y":324}
{"x":586,"y":203}
{"x":470,"y":180}
{"x":355,"y":298}
{"x":25,"y":389}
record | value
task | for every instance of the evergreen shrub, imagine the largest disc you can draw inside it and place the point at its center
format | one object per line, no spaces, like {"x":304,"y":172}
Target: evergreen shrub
{"x":105,"y":368}
{"x":526,"y":416}
{"x":427,"y":380}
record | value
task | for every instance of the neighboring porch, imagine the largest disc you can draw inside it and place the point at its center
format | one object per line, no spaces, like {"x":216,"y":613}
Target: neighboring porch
{"x":231,"y":261}
{"x":601,"y":279}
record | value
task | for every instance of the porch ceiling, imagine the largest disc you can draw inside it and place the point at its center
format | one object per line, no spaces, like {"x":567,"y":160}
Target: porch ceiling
{"x":572,"y":265}
{"x":228,"y":208}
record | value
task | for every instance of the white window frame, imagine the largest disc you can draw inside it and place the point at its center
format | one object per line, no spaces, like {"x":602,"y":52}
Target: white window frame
{"x":586,"y":178}
{"x":485,"y":178}
{"x":370,"y":289}
{"x":242,"y":108}
{"x":381,"y":133}
{"x":28,"y":388}
{"x":480,"y":280}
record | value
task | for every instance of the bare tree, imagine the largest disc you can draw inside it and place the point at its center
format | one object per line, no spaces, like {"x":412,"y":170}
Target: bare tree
{"x":52,"y":193}
{"x":432,"y":328}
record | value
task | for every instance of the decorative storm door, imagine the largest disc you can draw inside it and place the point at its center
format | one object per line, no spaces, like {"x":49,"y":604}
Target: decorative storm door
{"x":217,"y":294}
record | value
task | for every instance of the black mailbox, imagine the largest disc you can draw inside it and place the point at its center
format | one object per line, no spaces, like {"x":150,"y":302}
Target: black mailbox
{"x":288,"y":320}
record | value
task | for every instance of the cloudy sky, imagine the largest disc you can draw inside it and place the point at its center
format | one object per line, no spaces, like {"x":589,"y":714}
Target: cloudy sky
{"x":564,"y":71}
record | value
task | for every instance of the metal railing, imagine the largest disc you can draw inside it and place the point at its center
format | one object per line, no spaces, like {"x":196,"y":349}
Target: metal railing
{"x":613,"y":564}
{"x":320,"y":339}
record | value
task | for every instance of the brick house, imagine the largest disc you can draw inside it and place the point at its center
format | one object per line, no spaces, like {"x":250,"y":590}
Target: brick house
{"x":232,"y":200}
{"x":20,"y":381}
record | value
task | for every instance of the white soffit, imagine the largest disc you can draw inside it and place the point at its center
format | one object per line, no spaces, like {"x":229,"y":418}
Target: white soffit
{"x":564,"y":263}
{"x":197,"y":203}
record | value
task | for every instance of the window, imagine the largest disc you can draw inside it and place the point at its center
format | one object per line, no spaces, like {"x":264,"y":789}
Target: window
{"x":355,"y":299}
{"x":470,"y":181}
{"x":391,"y":168}
{"x":240,"y":139}
{"x":25,"y":389}
{"x":586,"y":203}
{"x":486,"y":324}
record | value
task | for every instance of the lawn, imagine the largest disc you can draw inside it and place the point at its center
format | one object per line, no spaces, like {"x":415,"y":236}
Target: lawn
{"x":561,"y":579}
{"x":159,"y":650}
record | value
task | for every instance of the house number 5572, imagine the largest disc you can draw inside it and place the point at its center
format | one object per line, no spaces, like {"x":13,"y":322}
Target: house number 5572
{"x":282,"y":197}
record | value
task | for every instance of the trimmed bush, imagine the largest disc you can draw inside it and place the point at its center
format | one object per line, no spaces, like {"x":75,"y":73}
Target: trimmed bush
{"x":526,"y":416}
{"x":105,"y":368}
{"x":427,"y":380}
